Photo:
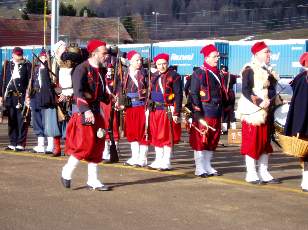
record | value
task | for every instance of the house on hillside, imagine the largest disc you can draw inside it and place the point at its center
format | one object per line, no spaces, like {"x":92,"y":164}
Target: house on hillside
{"x":19,"y":32}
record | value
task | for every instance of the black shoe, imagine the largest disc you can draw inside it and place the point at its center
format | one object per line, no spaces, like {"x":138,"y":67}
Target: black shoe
{"x":273,"y":181}
{"x":137,"y":166}
{"x":164,"y":169}
{"x":151,"y":168}
{"x":106,"y":161}
{"x":48,"y":152}
{"x":19,"y":148}
{"x":7,"y":148}
{"x":305,"y":190}
{"x":203,"y":175}
{"x":66,"y":183}
{"x":256,"y":182}
{"x":101,"y":189}
{"x":215,"y":174}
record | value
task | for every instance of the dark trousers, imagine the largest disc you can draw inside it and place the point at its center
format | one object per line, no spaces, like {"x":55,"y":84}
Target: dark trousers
{"x":37,"y":117}
{"x":228,"y":114}
{"x":17,"y":128}
{"x":38,"y":122}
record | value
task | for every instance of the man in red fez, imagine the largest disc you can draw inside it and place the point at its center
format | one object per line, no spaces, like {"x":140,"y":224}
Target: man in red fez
{"x":207,"y":95}
{"x":296,"y":122}
{"x":258,"y":94}
{"x":167,"y":96}
{"x":85,"y":137}
{"x":14,"y":79}
{"x":135,"y":86}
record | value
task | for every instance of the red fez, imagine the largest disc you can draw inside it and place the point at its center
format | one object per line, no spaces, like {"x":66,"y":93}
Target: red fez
{"x":94,"y":44}
{"x":206,"y":50}
{"x":43,"y":53}
{"x":258,"y":46}
{"x":161,"y":56}
{"x":131,"y":53}
{"x":18,"y":51}
{"x":303,"y":59}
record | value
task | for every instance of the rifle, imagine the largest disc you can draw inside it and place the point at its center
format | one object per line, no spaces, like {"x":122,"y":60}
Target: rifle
{"x":122,"y":93}
{"x":47,"y":67}
{"x":147,"y":111}
{"x":114,"y":157}
{"x":29,"y":93}
{"x":113,"y":148}
{"x":169,"y":115}
{"x":2,"y":105}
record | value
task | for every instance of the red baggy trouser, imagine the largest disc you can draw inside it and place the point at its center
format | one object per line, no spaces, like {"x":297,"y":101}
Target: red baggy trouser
{"x":135,"y":125}
{"x":82,"y":141}
{"x":160,"y":129}
{"x":255,"y":140}
{"x":210,"y":140}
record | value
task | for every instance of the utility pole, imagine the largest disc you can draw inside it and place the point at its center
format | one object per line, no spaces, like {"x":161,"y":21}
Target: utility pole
{"x":54,"y":22}
{"x":156,"y":14}
{"x":118,"y":30}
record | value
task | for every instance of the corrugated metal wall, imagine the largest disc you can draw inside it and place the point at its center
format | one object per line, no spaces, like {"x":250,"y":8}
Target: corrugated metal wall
{"x":143,"y":49}
{"x":284,"y":55}
{"x":186,"y":55}
{"x":1,"y":60}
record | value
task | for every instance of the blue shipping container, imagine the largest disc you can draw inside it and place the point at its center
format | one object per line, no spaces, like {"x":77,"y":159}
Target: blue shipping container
{"x":186,"y":54}
{"x":143,"y":49}
{"x":284,"y":55}
{"x":1,"y":60}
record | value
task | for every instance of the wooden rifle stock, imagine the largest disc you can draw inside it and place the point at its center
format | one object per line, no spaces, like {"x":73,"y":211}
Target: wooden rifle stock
{"x":2,"y":106}
{"x":122,"y":93}
{"x":114,"y":157}
{"x":29,"y":93}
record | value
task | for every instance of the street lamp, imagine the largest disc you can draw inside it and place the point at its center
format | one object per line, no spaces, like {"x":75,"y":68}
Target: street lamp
{"x":156,"y":14}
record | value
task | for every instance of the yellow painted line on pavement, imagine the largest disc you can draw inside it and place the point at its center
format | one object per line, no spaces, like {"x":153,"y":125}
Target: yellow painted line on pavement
{"x":220,"y":179}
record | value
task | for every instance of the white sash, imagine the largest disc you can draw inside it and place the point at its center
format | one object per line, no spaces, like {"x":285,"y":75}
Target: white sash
{"x":161,"y":85}
{"x":217,"y":78}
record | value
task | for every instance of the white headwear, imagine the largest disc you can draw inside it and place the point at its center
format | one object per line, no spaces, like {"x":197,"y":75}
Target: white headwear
{"x":57,"y":45}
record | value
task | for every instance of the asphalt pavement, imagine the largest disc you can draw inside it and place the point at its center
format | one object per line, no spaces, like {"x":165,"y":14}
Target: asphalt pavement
{"x":32,"y":197}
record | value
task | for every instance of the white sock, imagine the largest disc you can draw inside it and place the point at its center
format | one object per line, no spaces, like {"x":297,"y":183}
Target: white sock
{"x":166,"y":159}
{"x":159,"y":152}
{"x":251,"y":174}
{"x":106,"y":152}
{"x":143,"y":153}
{"x":304,"y":183}
{"x":199,"y":162}
{"x":263,"y":168}
{"x":93,"y":180}
{"x":69,"y":167}
{"x":50,"y":144}
{"x":207,"y":162}
{"x":135,"y":153}
{"x":40,"y":148}
{"x":224,"y":127}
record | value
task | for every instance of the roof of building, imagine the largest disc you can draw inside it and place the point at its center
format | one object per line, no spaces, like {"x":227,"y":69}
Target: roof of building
{"x":19,"y":32}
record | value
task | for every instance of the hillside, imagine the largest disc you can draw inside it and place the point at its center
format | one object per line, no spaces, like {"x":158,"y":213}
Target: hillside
{"x":197,"y":19}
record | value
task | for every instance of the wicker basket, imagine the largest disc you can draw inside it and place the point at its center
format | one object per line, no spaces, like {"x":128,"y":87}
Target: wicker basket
{"x":293,"y":146}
